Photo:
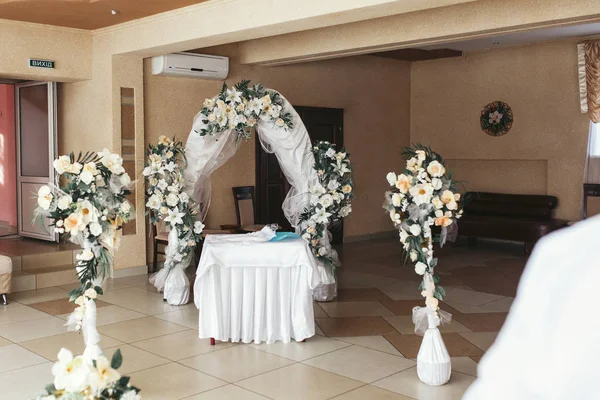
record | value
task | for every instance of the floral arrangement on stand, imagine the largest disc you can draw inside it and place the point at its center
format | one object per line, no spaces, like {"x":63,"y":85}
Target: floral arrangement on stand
{"x":77,"y":378}
{"x":496,"y":118}
{"x":423,"y":196}
{"x":166,"y":200}
{"x":89,"y":210}
{"x":330,"y":200}
{"x":241,"y":107}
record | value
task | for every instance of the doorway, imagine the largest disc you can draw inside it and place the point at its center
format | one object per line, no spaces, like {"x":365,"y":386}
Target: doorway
{"x":322,"y":124}
{"x":28,"y":146}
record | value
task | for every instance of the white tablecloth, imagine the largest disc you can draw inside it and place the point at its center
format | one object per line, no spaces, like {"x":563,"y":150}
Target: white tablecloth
{"x":251,"y":290}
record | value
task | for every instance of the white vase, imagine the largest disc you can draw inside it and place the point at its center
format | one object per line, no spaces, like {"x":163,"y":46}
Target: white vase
{"x":433,"y":362}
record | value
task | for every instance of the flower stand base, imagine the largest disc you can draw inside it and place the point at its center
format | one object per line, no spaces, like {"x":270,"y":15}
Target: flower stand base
{"x":433,"y":361}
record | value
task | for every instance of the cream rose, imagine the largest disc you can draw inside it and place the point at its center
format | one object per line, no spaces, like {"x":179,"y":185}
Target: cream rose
{"x":403,"y":183}
{"x":396,"y":199}
{"x":420,"y":268}
{"x":447,"y":197}
{"x":436,"y":169}
{"x":391,"y":178}
{"x":61,"y":164}
{"x":420,"y":155}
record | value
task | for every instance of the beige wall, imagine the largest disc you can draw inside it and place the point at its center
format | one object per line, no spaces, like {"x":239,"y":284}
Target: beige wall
{"x":374,"y":93}
{"x":71,"y":49}
{"x":545,"y":150}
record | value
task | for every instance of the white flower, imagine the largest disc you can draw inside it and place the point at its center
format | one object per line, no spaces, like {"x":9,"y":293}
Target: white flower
{"x":340,"y":156}
{"x":73,"y":223}
{"x":453,"y":205}
{"x":88,"y":212}
{"x":125,"y":207}
{"x":162,"y":185}
{"x":198,"y":227}
{"x":420,"y":155}
{"x":413,"y":164}
{"x":64,"y":202}
{"x":164,"y":140}
{"x":172,"y":200}
{"x":103,"y":375}
{"x":437,"y":202}
{"x":337,"y":196}
{"x":317,"y":189}
{"x":421,"y":193}
{"x":95,"y":229}
{"x":112,"y":161}
{"x":456,"y":196}
{"x":125,"y":180}
{"x":184,"y":197}
{"x":341,"y":168}
{"x":88,"y":174}
{"x":80,"y":301}
{"x":347,"y":189}
{"x":330,"y":153}
{"x":391,"y":178}
{"x":175,"y":217}
{"x":321,"y":216}
{"x":70,"y":374}
{"x":326,"y":201}
{"x":415,"y":229}
{"x":279,"y":122}
{"x":345,"y":211}
{"x":44,"y":197}
{"x":447,"y":197}
{"x":420,"y":268}
{"x":435,"y":169}
{"x":91,"y":293}
{"x":413,"y":255}
{"x":208,"y":103}
{"x":85,"y":255}
{"x":323,"y":251}
{"x":233,"y":95}
{"x":111,"y":238}
{"x":396,"y":199}
{"x":333,"y":185}
{"x":154,"y":202}
{"x":403,"y":183}
{"x":436,"y":183}
{"x":62,"y":164}
{"x":131,"y":395}
{"x":403,"y":236}
{"x":395,"y":217}
{"x":174,"y":188}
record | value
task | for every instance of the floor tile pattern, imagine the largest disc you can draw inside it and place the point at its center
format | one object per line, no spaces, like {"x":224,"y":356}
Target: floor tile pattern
{"x":365,"y":346}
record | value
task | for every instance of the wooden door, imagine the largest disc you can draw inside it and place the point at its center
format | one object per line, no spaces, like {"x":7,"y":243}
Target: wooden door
{"x":271,"y":184}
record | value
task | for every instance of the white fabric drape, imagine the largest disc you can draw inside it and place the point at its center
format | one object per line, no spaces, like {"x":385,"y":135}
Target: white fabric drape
{"x":250,"y":290}
{"x":292,"y":148}
{"x":592,"y":164}
{"x":548,"y":347}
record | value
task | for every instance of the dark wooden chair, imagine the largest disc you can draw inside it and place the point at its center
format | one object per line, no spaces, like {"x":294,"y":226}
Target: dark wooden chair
{"x":245,"y":211}
{"x":160,"y":239}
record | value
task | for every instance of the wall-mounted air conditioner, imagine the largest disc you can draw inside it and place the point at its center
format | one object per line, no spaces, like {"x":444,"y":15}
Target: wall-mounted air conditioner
{"x":191,"y":65}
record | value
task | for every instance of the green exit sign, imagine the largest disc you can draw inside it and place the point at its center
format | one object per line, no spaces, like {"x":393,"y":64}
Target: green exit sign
{"x":41,"y":63}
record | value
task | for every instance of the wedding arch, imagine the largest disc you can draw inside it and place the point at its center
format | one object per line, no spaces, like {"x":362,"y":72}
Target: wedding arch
{"x":319,"y":175}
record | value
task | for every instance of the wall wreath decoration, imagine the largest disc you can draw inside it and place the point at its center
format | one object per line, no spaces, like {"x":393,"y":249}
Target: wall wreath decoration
{"x":496,"y":118}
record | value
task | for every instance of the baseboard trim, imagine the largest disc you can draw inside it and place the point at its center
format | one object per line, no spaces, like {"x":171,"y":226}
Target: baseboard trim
{"x":133,"y":271}
{"x":371,"y":236}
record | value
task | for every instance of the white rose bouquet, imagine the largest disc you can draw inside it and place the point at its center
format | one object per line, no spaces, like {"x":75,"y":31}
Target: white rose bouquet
{"x":241,"y":107}
{"x":166,"y":200}
{"x":330,"y":199}
{"x":89,"y":210}
{"x":77,"y":378}
{"x":423,"y":199}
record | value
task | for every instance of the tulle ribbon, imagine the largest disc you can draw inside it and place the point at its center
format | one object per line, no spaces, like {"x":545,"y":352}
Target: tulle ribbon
{"x":424,"y":318}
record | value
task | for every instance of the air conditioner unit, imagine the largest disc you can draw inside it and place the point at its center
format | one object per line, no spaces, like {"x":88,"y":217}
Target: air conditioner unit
{"x":191,"y":65}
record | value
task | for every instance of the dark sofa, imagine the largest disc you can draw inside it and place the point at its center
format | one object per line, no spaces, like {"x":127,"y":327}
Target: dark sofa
{"x":518,"y":217}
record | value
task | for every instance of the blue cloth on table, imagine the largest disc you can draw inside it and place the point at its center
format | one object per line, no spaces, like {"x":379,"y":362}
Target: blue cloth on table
{"x":279,"y":236}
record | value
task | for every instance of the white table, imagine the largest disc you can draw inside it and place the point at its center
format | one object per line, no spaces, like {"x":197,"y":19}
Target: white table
{"x":251,"y":290}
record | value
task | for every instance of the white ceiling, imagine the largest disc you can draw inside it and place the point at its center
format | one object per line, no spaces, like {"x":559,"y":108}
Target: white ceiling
{"x":521,"y":38}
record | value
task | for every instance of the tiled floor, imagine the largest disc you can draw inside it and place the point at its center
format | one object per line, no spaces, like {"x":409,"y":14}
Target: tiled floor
{"x":365,"y":347}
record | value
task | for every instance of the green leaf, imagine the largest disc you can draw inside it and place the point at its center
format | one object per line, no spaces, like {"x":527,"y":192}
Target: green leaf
{"x":50,"y":388}
{"x":117,"y":360}
{"x":98,"y":290}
